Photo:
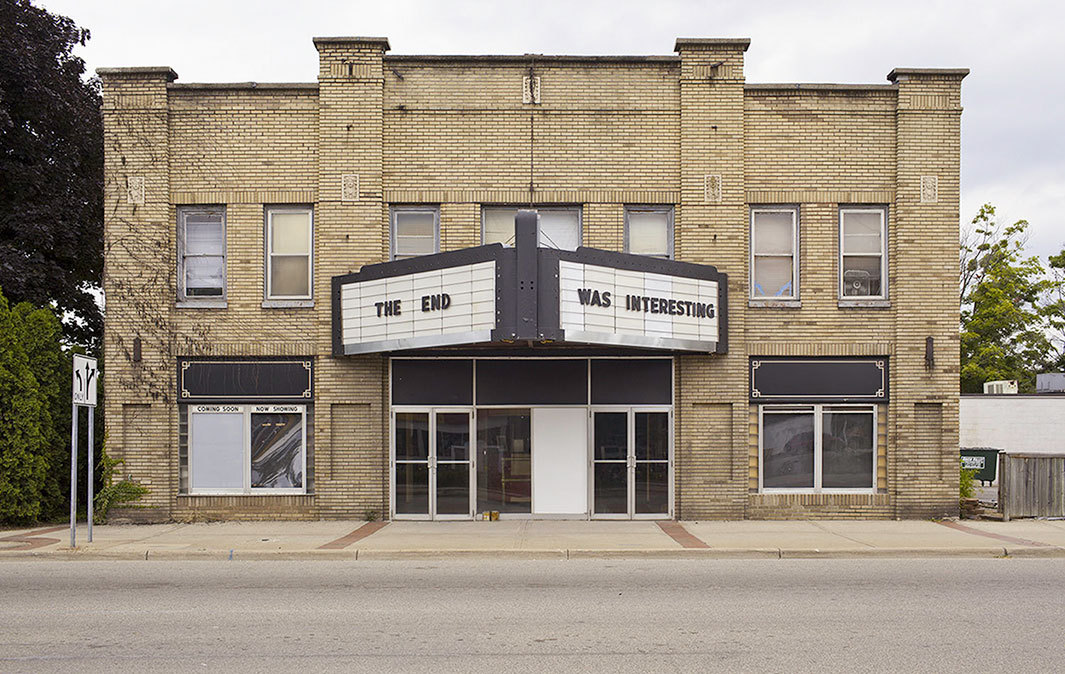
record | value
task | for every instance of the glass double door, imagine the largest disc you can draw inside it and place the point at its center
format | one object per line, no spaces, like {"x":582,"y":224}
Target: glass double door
{"x":432,"y":469}
{"x":630,"y":463}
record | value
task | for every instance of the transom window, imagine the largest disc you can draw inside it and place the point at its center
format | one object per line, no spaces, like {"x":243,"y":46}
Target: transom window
{"x":649,"y":231}
{"x":817,"y":448}
{"x":559,"y":227}
{"x":242,"y":449}
{"x":415,"y":231}
{"x":774,"y":253}
{"x":201,"y":253}
{"x":863,"y":252}
{"x":289,"y":245}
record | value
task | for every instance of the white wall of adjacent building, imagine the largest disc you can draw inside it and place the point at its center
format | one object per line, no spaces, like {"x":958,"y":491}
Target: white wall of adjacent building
{"x":1014,"y":423}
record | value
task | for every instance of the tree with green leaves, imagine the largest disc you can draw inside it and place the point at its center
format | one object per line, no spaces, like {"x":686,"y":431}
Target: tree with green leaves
{"x":1004,"y":316}
{"x":41,"y":336}
{"x":24,"y":425}
{"x":51,"y":169}
{"x":1054,"y":312}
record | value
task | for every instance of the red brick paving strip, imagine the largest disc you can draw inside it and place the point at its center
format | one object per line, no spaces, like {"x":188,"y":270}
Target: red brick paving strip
{"x":31,"y":540}
{"x":681,"y":535}
{"x":357,"y":535}
{"x":997,"y":537}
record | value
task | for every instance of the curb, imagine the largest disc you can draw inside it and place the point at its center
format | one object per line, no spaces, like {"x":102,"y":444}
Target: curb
{"x":916,"y":553}
{"x":531,"y":554}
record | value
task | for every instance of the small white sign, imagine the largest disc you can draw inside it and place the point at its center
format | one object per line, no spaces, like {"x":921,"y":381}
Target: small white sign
{"x":86,"y":375}
{"x":973,"y":462}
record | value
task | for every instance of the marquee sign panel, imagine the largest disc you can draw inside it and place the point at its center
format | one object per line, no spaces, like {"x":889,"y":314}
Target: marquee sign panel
{"x":607,"y":305}
{"x":451,"y":305}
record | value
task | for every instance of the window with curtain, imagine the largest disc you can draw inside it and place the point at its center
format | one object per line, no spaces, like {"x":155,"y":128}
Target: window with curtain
{"x":649,"y":231}
{"x":288,"y":253}
{"x":201,"y":253}
{"x":415,"y":231}
{"x":559,"y":227}
{"x":862,"y":235}
{"x":774,"y":253}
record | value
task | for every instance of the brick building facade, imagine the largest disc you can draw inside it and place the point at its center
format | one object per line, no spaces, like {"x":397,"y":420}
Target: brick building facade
{"x":825,"y":217}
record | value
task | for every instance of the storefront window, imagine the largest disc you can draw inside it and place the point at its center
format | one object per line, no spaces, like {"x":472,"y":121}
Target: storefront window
{"x":241,"y":449}
{"x":817,"y":447}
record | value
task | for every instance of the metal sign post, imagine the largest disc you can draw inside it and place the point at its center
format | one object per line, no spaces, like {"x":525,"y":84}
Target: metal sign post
{"x":86,"y":375}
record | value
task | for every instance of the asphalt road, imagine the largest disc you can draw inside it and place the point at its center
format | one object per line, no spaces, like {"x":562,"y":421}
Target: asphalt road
{"x":579,"y":615}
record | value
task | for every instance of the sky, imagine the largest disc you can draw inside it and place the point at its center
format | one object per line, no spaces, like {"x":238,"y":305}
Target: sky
{"x":1013,"y":145}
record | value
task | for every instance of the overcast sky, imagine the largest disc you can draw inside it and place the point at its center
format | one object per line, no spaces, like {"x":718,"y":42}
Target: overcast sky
{"x":1013,"y":152}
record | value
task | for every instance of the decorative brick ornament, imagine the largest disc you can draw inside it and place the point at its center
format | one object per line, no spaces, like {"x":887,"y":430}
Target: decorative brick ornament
{"x":349,"y":187}
{"x":712,"y":189}
{"x":135,"y":190}
{"x":929,"y":189}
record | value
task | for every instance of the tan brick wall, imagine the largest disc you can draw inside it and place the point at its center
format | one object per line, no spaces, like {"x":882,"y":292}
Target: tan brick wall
{"x":609,"y":132}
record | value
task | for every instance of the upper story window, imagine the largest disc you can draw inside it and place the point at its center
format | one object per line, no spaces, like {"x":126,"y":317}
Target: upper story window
{"x":649,"y":231}
{"x":560,"y":227}
{"x":863,"y":253}
{"x":775,"y":253}
{"x":201,"y":253}
{"x":415,"y":231}
{"x":289,"y":242}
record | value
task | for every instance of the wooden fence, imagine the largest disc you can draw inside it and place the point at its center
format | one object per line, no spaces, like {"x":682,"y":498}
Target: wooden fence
{"x":1031,"y":485}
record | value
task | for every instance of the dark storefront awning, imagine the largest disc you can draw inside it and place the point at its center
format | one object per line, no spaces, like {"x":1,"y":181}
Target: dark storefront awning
{"x":530,"y":295}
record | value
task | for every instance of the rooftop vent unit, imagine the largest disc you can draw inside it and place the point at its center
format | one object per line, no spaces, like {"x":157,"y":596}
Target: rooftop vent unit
{"x":1002,"y":386}
{"x":1051,"y":382}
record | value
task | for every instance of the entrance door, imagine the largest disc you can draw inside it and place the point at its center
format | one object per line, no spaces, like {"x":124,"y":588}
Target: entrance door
{"x":432,"y":464}
{"x":630,"y":464}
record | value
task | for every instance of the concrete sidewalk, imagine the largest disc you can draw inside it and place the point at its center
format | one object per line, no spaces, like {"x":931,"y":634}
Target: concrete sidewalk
{"x":551,"y":539}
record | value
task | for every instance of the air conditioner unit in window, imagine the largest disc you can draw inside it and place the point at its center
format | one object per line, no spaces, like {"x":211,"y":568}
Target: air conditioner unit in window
{"x":1002,"y":386}
{"x":857,"y":282}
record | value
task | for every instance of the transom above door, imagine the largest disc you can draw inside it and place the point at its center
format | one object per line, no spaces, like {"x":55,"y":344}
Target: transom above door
{"x":631,"y":457}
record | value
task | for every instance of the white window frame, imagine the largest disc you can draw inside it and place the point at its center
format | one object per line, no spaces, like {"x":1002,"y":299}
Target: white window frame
{"x":395,"y":211}
{"x":818,"y":411}
{"x":668,"y":210}
{"x":268,"y":248}
{"x":538,"y":209}
{"x":794,"y":212}
{"x":882,"y":211}
{"x":199,"y":300}
{"x":247,"y":411}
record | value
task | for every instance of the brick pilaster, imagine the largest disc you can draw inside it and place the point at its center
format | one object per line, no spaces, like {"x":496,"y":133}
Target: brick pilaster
{"x":711,"y":438}
{"x":924,"y":236}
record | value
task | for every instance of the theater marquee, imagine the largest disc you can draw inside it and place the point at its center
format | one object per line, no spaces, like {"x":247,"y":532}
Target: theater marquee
{"x":530,"y":295}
